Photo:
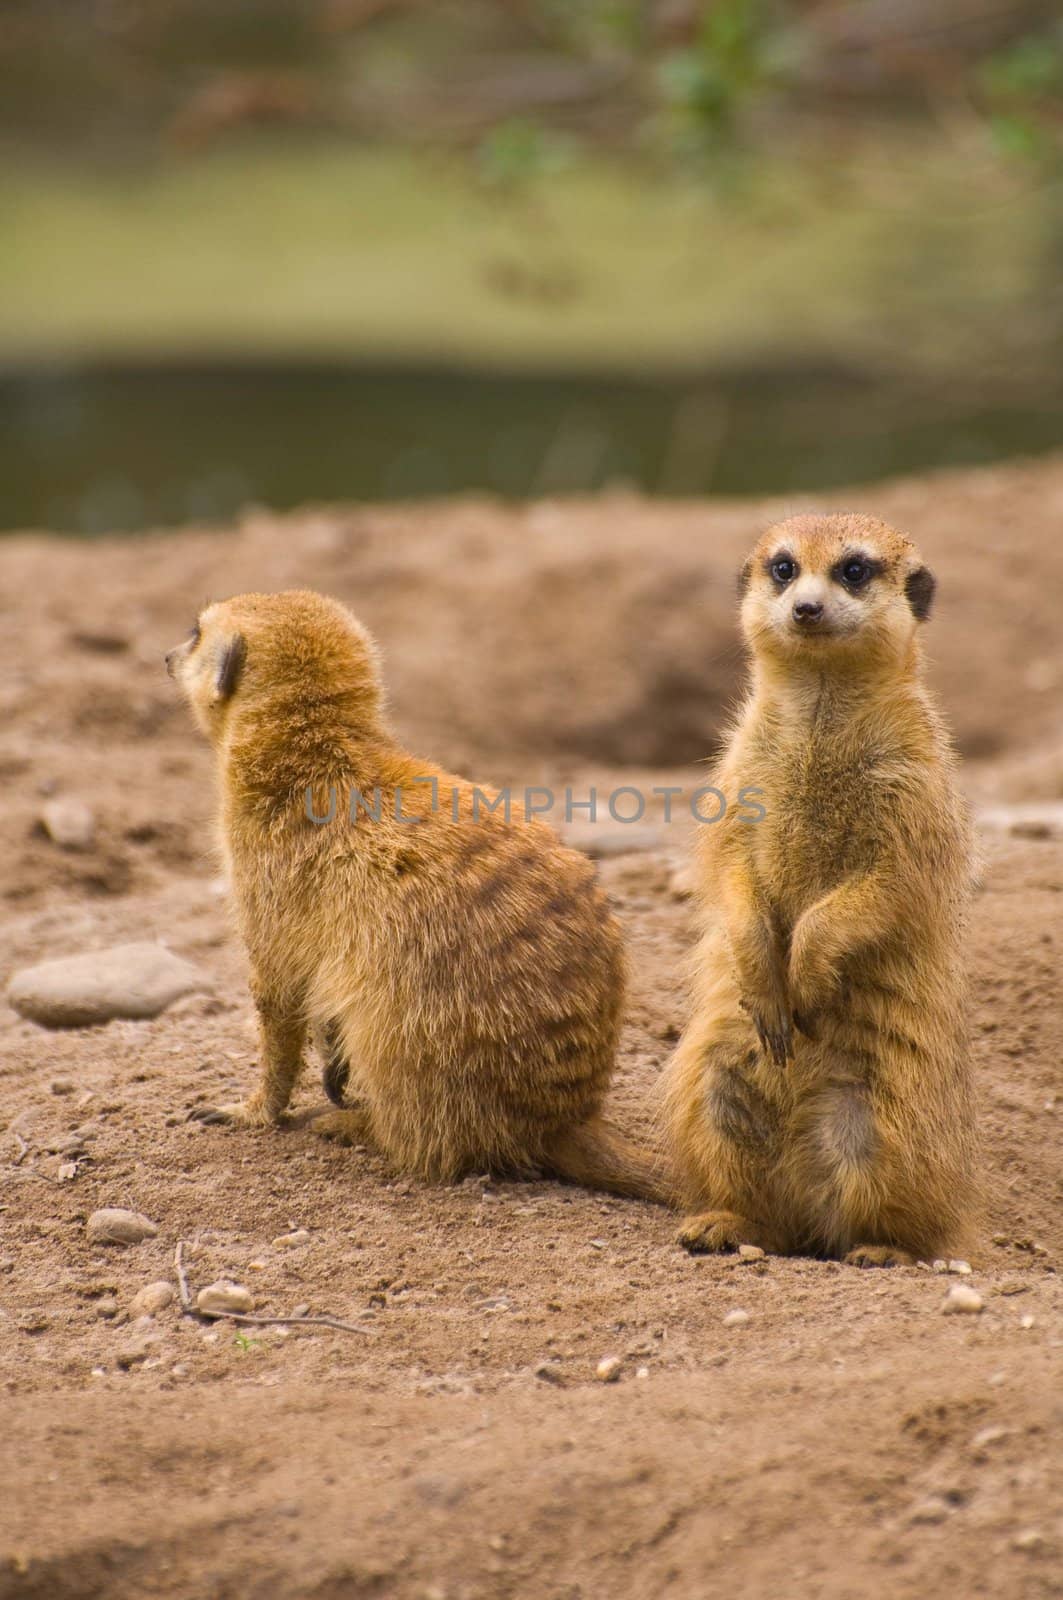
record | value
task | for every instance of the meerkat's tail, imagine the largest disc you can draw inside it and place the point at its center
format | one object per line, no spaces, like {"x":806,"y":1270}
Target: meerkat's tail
{"x":335,"y":1066}
{"x":598,"y":1156}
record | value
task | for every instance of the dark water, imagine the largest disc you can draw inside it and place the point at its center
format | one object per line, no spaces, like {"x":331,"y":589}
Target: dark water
{"x":96,"y":450}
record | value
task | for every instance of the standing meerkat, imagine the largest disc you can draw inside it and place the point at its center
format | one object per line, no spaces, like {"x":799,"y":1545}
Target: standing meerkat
{"x":463,"y":970}
{"x":820,"y":1097}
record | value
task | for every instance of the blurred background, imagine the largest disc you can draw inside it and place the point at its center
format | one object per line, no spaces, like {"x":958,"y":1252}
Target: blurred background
{"x":277,"y":251}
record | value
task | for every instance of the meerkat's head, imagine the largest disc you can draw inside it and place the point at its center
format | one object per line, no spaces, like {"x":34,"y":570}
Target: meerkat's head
{"x":831,"y":590}
{"x":288,"y":654}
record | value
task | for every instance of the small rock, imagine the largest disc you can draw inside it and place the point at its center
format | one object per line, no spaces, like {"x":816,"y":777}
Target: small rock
{"x":217,"y":1298}
{"x":608,"y":1369}
{"x":600,"y":840}
{"x":1026,"y":1321}
{"x":750,"y":1252}
{"x":132,"y":1354}
{"x":960,"y":1269}
{"x":291,"y":1241}
{"x":67,"y":1171}
{"x":735,"y":1319}
{"x":931,"y":1510}
{"x":549,"y":1372}
{"x":961,"y":1299}
{"x":939,"y":1266}
{"x":1028,"y":1539}
{"x":112,"y":1225}
{"x":301,"y":1310}
{"x":153,"y":1298}
{"x":107,"y":1306}
{"x":989,"y":1436}
{"x":682,"y":885}
{"x":128,"y":980}
{"x":34,"y":1321}
{"x":69,"y":824}
{"x":642,"y":1372}
{"x":7,"y":1264}
{"x":62,"y":1086}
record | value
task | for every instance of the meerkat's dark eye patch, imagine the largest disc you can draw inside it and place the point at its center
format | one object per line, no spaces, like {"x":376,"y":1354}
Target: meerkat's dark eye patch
{"x":229,"y":667}
{"x":194,"y":634}
{"x":855,"y":570}
{"x":782,"y":568}
{"x":919,"y":587}
{"x":744,"y":575}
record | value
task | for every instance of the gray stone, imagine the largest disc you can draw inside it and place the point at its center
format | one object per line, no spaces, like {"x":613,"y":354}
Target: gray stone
{"x":128,"y":980}
{"x":69,"y":823}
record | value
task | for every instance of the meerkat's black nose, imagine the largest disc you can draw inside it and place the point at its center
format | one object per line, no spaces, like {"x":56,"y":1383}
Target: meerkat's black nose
{"x":808,"y":610}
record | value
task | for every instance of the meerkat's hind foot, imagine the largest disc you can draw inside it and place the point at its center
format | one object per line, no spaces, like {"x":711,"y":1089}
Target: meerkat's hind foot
{"x":343,"y":1127}
{"x":879,"y":1255}
{"x":237,"y":1114}
{"x":719,"y":1231}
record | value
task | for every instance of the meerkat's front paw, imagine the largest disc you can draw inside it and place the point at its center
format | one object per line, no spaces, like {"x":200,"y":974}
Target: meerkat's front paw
{"x":239,"y":1114}
{"x":879,"y":1255}
{"x":715,"y":1231}
{"x":812,"y":983}
{"x":774,"y":1030}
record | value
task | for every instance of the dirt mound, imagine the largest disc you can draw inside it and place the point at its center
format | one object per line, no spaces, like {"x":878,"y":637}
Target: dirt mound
{"x":846,"y":1439}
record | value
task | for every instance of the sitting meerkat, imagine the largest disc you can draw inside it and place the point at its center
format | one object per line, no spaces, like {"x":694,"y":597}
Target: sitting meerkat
{"x":820,"y":1100}
{"x":462,"y":971}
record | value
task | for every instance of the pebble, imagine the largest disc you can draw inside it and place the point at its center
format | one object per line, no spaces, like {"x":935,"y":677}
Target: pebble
{"x":1028,"y":1539}
{"x":107,"y":1306}
{"x":931,"y":1510}
{"x":291,"y":1241}
{"x":750,"y":1252}
{"x":939,"y":1266}
{"x":962,"y":1298}
{"x":608,"y":1369}
{"x":67,"y":1171}
{"x":735,"y":1319}
{"x":112,"y":1225}
{"x":153,"y":1298}
{"x":301,"y":1310}
{"x":7,"y":1263}
{"x":69,"y":824}
{"x":62,"y":1086}
{"x":549,"y":1372}
{"x":599,"y":840}
{"x":642,"y":1372}
{"x":128,"y":980}
{"x":223,"y":1296}
{"x":682,"y":885}
{"x":962,"y":1269}
{"x":1026,"y":1321}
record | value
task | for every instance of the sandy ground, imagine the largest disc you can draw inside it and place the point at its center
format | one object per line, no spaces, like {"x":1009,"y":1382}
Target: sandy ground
{"x":846,"y":1440}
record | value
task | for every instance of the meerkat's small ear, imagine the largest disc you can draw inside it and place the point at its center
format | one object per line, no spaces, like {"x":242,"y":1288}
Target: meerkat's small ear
{"x":230,"y":665}
{"x":919,"y":586}
{"x":744,"y":575}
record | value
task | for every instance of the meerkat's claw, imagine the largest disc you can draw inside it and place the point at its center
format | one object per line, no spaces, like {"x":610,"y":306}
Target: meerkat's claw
{"x":775,"y":1042}
{"x":879,"y":1255}
{"x":712,"y":1232}
{"x":239,"y":1114}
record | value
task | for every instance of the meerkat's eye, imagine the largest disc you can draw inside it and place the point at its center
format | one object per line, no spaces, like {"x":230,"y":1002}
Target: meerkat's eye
{"x":783,"y":569}
{"x":855,"y":572}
